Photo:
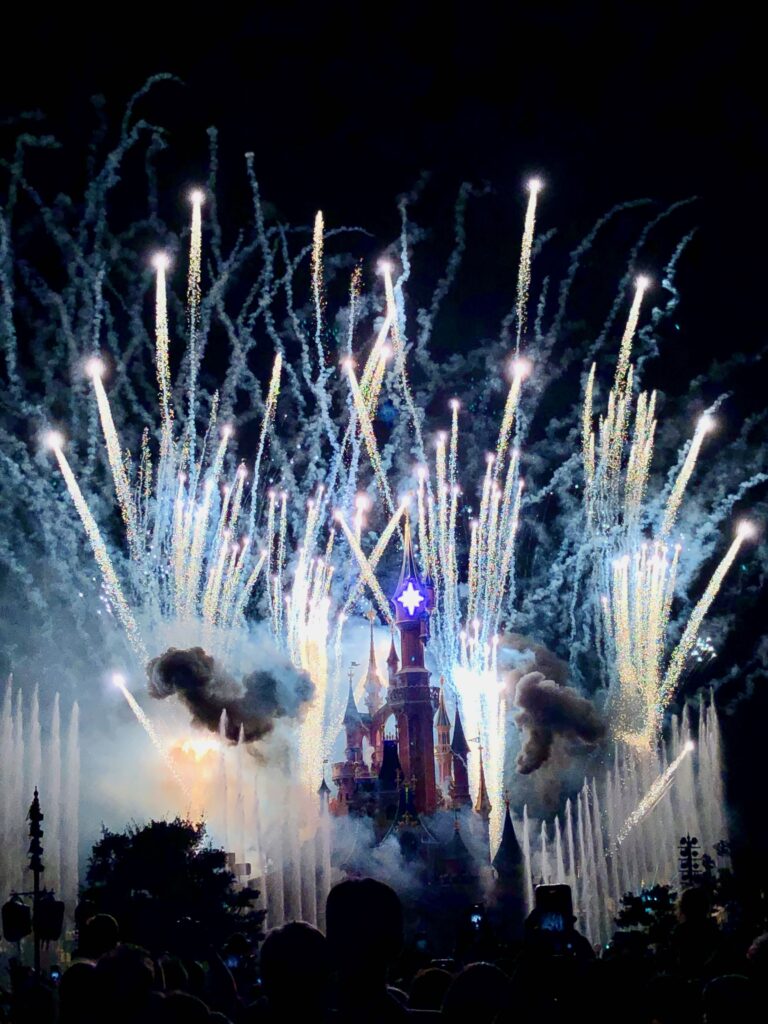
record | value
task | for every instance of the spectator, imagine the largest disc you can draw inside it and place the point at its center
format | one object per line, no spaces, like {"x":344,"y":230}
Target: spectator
{"x":182,"y":1008}
{"x":126,"y":978}
{"x":729,"y":1000}
{"x":362,"y":959}
{"x":695,"y":939}
{"x":295,"y":971}
{"x":98,"y":935}
{"x":428,"y":989}
{"x":78,"y":997}
{"x":669,"y":1000}
{"x":478,"y":994}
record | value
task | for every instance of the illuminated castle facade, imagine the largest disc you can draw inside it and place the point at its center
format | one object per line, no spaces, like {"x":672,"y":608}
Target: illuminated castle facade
{"x":413,"y":783}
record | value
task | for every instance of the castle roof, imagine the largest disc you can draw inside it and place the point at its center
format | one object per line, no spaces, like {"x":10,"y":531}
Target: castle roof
{"x":508,"y":856}
{"x":459,"y":745}
{"x":456,"y":848}
{"x":351,"y":714}
{"x":324,"y":789}
{"x":408,"y":820}
{"x":392,"y":659}
{"x":391,"y":771}
{"x":483,"y":804}
{"x":442,"y":714}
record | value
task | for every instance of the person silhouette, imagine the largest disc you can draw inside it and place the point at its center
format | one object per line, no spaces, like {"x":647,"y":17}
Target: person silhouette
{"x":362,"y":960}
{"x":295,"y":973}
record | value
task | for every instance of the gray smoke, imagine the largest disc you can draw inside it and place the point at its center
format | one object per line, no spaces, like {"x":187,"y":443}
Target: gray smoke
{"x":524,"y":654}
{"x":547,"y":711}
{"x":276,"y":690}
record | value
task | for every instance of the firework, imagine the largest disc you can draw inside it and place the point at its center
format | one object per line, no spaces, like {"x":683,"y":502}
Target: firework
{"x":216,"y":546}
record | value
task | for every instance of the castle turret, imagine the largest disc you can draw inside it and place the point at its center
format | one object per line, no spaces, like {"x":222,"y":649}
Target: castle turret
{"x":460,"y":795}
{"x":347,"y":772}
{"x":324,"y":792}
{"x":412,"y":699}
{"x":353,"y":726}
{"x":443,"y":745}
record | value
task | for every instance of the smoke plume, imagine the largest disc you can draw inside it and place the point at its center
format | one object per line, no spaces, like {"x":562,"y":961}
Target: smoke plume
{"x":524,"y":654}
{"x":547,"y":711}
{"x":275,"y":690}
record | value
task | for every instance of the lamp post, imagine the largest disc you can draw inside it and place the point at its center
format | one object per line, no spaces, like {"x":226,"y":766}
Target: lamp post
{"x":35,"y":817}
{"x":47,"y":917}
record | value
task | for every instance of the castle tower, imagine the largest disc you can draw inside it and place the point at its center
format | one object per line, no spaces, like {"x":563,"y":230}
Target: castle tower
{"x":347,"y":772}
{"x":373,"y":685}
{"x":353,"y":727}
{"x":443,"y":745}
{"x":412,"y":699}
{"x":460,"y":794}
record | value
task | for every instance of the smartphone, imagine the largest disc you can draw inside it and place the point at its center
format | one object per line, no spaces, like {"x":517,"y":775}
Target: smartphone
{"x":55,"y":975}
{"x":554,"y":907}
{"x":232,"y":962}
{"x":476,"y":916}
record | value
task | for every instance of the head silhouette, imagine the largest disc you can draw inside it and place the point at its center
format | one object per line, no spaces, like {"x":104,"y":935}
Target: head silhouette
{"x":182,"y":1008}
{"x":78,"y":998}
{"x":479,"y":993}
{"x":359,"y":900}
{"x":693,"y":906}
{"x":126,"y":977}
{"x":98,"y":935}
{"x":428,"y":989}
{"x":295,"y":966}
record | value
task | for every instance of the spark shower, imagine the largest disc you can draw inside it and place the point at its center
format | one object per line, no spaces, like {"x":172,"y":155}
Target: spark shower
{"x":272,"y":546}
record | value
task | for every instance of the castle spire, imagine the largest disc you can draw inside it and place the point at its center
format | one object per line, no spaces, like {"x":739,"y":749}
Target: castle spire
{"x":483,"y":804}
{"x":412,"y":599}
{"x":351,"y":714}
{"x":509,"y":887}
{"x":443,"y":745}
{"x":324,"y":791}
{"x":508,"y":857}
{"x":409,"y":569}
{"x":442,"y":715}
{"x":373,"y":683}
{"x":459,"y":745}
{"x":460,"y":752}
{"x":393,"y":662}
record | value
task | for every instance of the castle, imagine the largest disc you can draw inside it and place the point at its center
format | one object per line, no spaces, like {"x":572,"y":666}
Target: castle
{"x":415,"y":786}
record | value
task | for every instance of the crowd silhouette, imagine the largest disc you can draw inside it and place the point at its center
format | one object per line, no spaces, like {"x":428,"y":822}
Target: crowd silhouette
{"x":364,"y":970}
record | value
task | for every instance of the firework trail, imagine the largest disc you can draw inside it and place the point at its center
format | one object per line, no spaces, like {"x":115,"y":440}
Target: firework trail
{"x":196,"y":198}
{"x":659,"y":788}
{"x":204,"y":547}
{"x":524,"y":271}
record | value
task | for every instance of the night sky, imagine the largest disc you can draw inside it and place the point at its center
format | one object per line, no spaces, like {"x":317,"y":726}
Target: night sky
{"x":345,"y":104}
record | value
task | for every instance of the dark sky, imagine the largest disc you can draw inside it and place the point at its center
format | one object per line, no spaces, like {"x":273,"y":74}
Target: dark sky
{"x":344,"y":104}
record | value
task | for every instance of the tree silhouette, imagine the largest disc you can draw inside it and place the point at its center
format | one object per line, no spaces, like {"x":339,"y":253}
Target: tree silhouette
{"x":168,"y":889}
{"x":652,"y":911}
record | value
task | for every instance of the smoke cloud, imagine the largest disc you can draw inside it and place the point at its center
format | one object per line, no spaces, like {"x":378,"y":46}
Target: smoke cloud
{"x":274,"y":690}
{"x":547,"y":711}
{"x":524,"y":654}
